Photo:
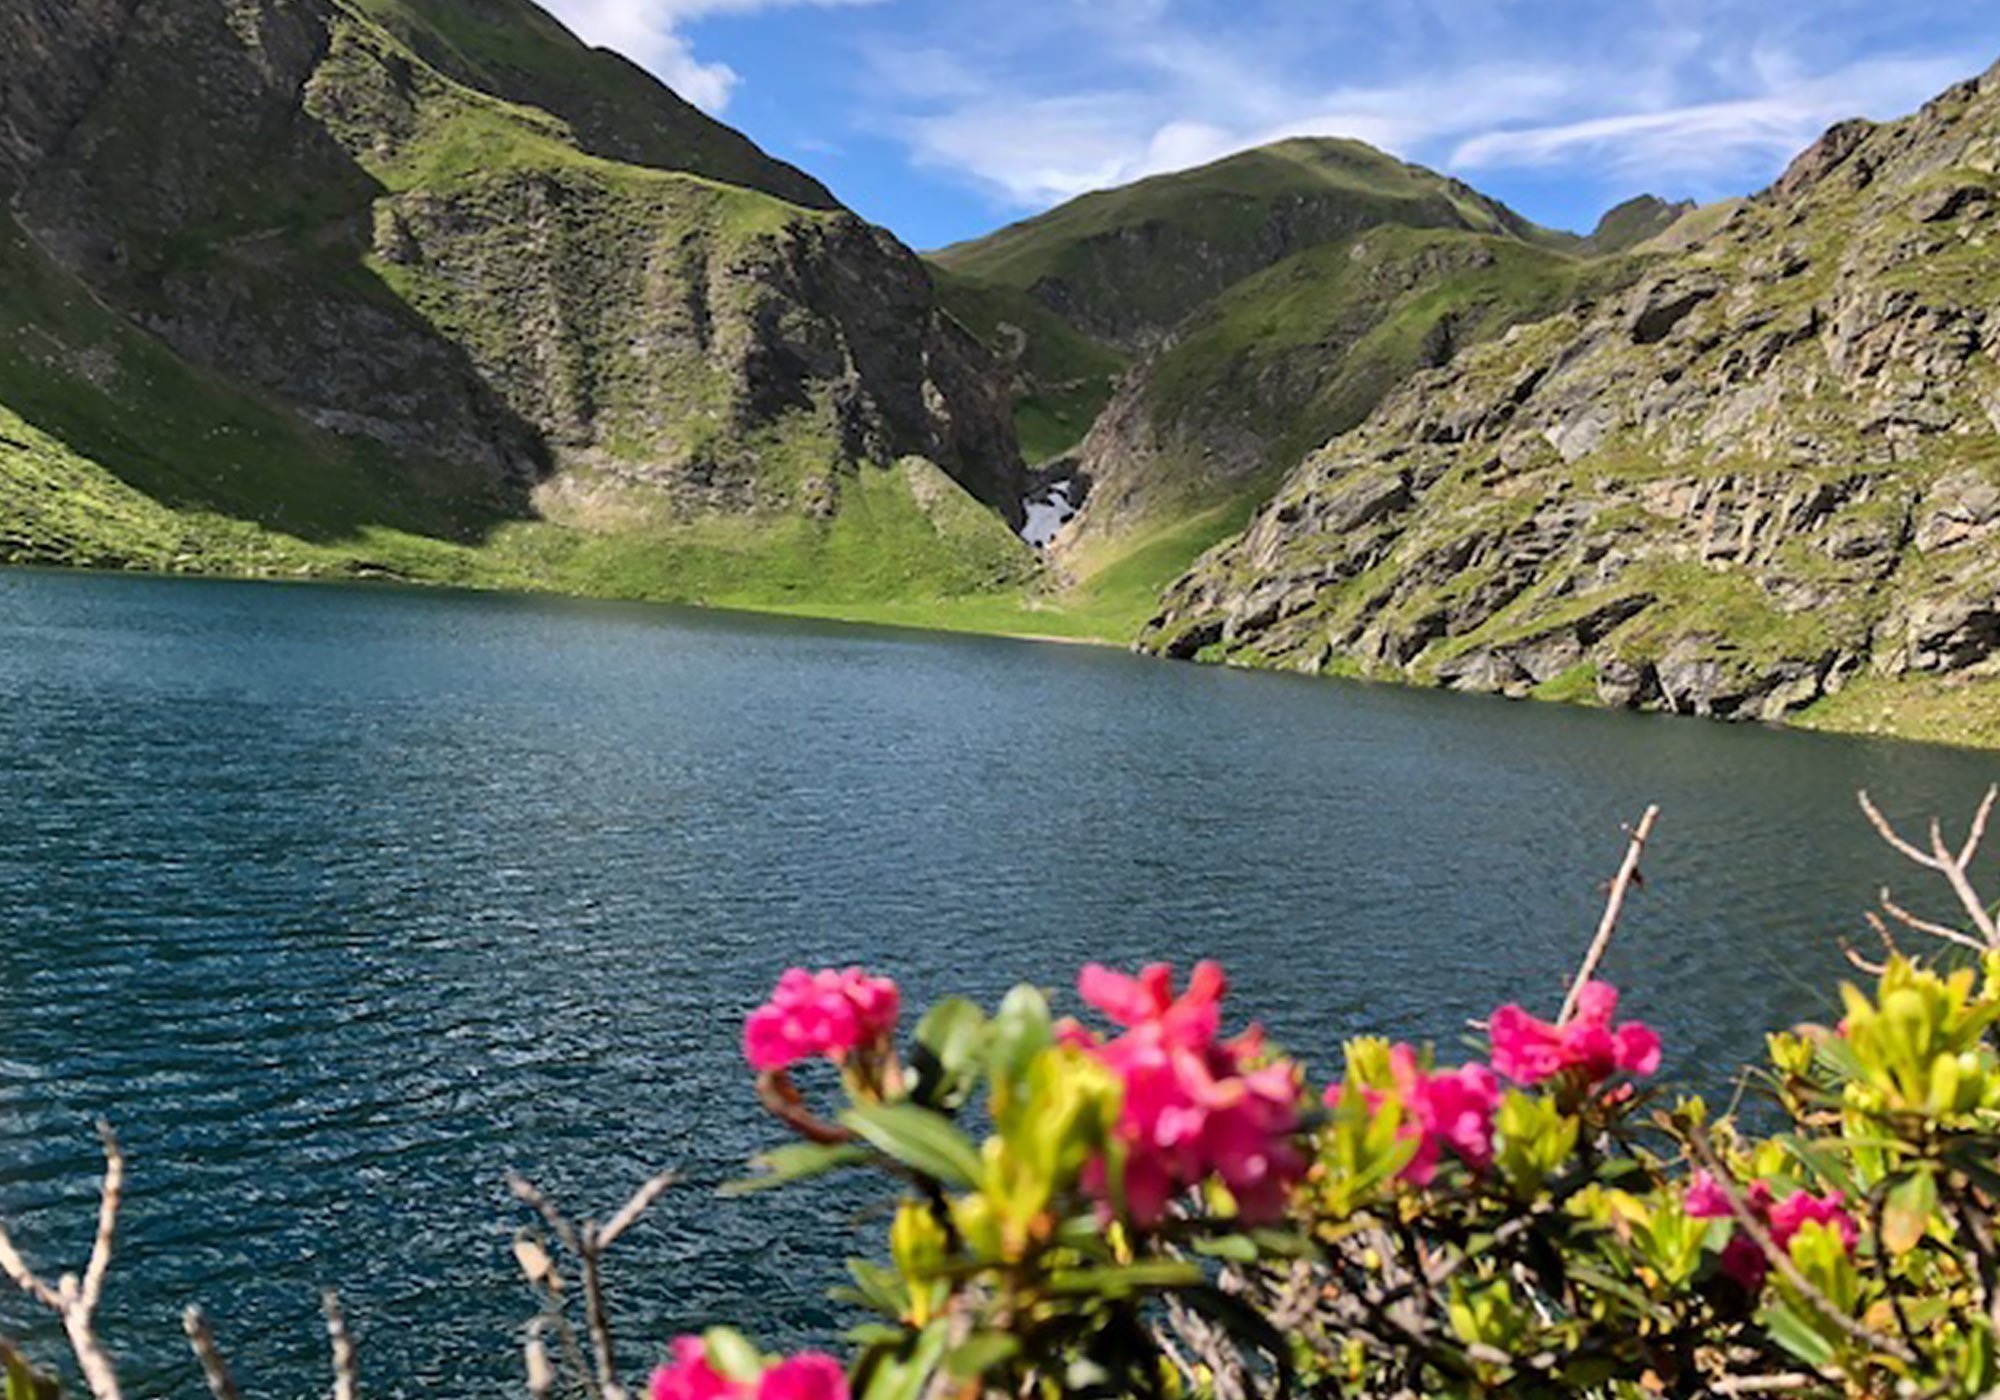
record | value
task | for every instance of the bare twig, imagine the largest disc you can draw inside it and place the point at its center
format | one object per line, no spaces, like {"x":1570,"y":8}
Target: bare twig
{"x":782,"y":1100}
{"x":1873,"y":969}
{"x":597,"y":1318}
{"x":74,"y":1301}
{"x":346,"y":1370}
{"x":525,"y":1191}
{"x":214,"y":1369}
{"x":641,"y":1202}
{"x":588,"y":1243}
{"x":1935,"y":930}
{"x":1613,"y":904}
{"x":1746,"y":1219}
{"x":1763,"y":1385}
{"x":1955,"y":866}
{"x":541,"y":1375}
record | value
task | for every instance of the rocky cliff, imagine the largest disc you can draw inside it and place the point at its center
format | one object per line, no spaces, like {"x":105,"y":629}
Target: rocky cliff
{"x":513,"y":274}
{"x":1765,"y":474}
{"x":1302,"y":351}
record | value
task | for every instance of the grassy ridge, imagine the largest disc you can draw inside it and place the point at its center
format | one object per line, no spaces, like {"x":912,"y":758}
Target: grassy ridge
{"x":609,"y":106}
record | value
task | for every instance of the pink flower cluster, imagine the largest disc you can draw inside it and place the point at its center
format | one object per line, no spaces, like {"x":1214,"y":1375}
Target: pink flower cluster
{"x":1742,"y":1259}
{"x":1451,"y":1108}
{"x":810,"y":1375}
{"x":1529,"y":1051}
{"x":1192,"y":1109}
{"x":830,"y":1013}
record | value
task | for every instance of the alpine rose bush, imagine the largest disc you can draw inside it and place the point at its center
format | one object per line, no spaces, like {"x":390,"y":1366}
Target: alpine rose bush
{"x":1742,"y":1259}
{"x":1159,"y":1211}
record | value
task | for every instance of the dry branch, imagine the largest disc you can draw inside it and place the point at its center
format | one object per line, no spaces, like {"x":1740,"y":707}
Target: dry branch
{"x":73,"y":1301}
{"x":588,"y":1243}
{"x":214,"y":1369}
{"x":346,"y":1372}
{"x":1628,"y":872}
{"x":1955,"y":866}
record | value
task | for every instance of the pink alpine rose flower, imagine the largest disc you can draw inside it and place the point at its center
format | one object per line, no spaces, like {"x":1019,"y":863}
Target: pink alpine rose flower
{"x":828,"y":1013}
{"x":1796,"y":1209}
{"x":811,"y":1375}
{"x":1193,"y":1108}
{"x":690,"y":1377}
{"x":1742,"y":1259}
{"x":1446,"y":1108}
{"x":1528,"y":1051}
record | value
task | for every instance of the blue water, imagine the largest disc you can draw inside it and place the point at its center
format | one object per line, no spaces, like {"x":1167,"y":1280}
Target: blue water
{"x":340,"y":901}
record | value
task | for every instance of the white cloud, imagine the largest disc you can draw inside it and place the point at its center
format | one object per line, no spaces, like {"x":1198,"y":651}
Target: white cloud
{"x":649,"y":32}
{"x":1704,"y":137}
{"x":1038,"y":102}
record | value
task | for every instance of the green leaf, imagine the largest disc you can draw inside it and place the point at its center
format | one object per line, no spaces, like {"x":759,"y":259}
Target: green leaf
{"x":1022,"y":1029}
{"x":1834,"y":1052}
{"x":795,"y":1161}
{"x":876,"y":1287}
{"x":950,"y":1043}
{"x":1820,"y":1162}
{"x":1285,"y":1244}
{"x":730,"y":1352}
{"x":980,"y":1353}
{"x":919,"y":1138}
{"x":1797,"y":1336}
{"x":903,"y":1373}
{"x":875,"y":1334}
{"x":1123,"y":1280}
{"x":1239,"y":1249}
{"x":1907,"y":1211}
{"x":24,"y":1382}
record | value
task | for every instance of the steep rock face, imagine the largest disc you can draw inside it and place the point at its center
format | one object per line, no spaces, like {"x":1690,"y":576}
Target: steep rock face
{"x":1766,"y":468}
{"x":59,"y":52}
{"x":667,"y":334}
{"x":291,"y":195}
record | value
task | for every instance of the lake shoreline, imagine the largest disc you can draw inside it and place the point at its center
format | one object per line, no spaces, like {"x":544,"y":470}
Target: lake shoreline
{"x":1848,"y":720}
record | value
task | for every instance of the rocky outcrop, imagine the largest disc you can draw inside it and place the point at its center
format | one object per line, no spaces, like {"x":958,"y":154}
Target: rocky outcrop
{"x":1768,"y":467}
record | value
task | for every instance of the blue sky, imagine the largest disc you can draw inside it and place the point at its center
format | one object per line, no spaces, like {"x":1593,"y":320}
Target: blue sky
{"x":943,"y":119}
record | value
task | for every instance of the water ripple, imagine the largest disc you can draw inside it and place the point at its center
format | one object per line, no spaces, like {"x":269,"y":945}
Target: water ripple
{"x":340,"y":902}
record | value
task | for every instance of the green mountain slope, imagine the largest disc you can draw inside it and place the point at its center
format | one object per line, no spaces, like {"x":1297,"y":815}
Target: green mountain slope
{"x":1260,"y":305}
{"x":315,"y":279}
{"x":1125,"y":266}
{"x":1626,"y":226}
{"x":1073,"y":297}
{"x":1293,"y":355}
{"x":613,"y":108}
{"x":1762,"y":480}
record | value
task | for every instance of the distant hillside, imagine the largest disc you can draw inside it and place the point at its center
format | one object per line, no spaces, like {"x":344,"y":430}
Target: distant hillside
{"x":1188,"y":338}
{"x":1126,"y":266}
{"x":429,"y":288}
{"x":1762,"y":479}
{"x":1626,"y":226}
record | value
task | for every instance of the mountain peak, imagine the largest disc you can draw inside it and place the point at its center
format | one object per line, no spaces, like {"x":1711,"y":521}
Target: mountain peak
{"x":1631,"y":223}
